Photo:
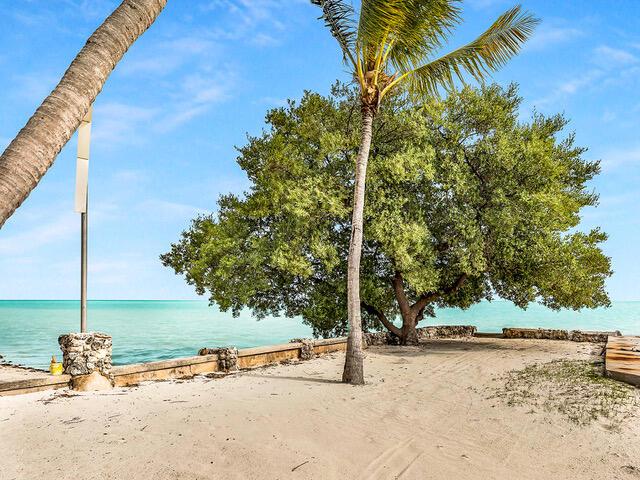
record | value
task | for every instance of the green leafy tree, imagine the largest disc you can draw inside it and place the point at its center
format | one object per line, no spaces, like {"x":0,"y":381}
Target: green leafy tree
{"x":464,"y":203}
{"x":392,"y":45}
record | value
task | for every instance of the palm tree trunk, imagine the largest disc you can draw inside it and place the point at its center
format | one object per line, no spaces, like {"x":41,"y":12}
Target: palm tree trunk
{"x":34,"y":149}
{"x":353,"y":366}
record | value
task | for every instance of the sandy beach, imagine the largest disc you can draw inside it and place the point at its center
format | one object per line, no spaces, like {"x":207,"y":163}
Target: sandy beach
{"x":427,"y":412}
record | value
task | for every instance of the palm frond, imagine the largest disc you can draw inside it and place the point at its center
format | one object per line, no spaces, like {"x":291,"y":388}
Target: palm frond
{"x":423,"y":31}
{"x":379,"y":20}
{"x":409,"y":29}
{"x":338,"y":16}
{"x":480,"y":58}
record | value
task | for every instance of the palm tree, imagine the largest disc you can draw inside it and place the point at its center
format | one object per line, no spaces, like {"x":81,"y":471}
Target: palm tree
{"x":27,"y":158}
{"x":391,"y":46}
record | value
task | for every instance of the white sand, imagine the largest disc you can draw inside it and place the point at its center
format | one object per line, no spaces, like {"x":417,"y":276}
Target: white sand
{"x":425,"y":414}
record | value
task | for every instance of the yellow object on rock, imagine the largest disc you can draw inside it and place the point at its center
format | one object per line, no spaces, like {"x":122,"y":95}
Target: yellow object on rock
{"x":56,"y":367}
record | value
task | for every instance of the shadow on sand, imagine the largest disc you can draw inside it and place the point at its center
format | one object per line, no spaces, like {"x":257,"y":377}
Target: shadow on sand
{"x":436,"y":347}
{"x":297,"y":379}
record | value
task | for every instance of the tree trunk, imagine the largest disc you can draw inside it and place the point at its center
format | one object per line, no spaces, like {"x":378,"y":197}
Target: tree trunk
{"x":409,"y":335}
{"x":410,"y":317}
{"x":353,"y":366}
{"x":34,"y":149}
{"x":408,"y":332}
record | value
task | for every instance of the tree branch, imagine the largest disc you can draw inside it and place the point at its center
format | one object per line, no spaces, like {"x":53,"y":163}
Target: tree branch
{"x":401,"y":296}
{"x":424,"y":300}
{"x":382,"y":317}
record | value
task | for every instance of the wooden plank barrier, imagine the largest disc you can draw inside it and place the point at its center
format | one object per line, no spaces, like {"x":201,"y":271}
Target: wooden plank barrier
{"x":622,"y":359}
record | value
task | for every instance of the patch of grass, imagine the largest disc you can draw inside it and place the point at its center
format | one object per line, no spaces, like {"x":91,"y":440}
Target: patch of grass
{"x":577,"y":389}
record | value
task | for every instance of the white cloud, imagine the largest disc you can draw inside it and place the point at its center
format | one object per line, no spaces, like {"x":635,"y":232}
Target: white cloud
{"x":166,"y":56}
{"x":177,"y":102}
{"x":121,"y":111}
{"x":482,"y":4}
{"x":115,"y":123}
{"x":198,"y":93}
{"x":164,"y":210}
{"x":51,"y":224}
{"x":546,"y":35}
{"x":118,"y":123}
{"x":180,"y":117}
{"x":129,"y":176}
{"x":61,"y":228}
{"x":273,"y":101}
{"x":36,"y":86}
{"x":608,"y":116}
{"x":621,"y":157}
{"x":264,"y":40}
{"x":120,"y":271}
{"x":32,"y":19}
{"x":609,"y":57}
{"x":259,"y":22}
{"x":202,"y":89}
{"x":570,"y":87}
{"x":611,"y":66}
{"x":91,"y":9}
{"x":573,"y":85}
{"x":117,"y":271}
{"x":66,"y":16}
{"x":185,"y":74}
{"x":614,"y":201}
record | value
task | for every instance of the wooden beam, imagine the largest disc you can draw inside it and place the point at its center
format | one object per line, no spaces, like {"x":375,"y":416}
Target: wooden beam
{"x":622,"y":359}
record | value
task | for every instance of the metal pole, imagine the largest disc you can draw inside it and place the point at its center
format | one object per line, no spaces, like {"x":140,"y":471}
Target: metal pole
{"x":83,"y":272}
{"x":81,"y":206}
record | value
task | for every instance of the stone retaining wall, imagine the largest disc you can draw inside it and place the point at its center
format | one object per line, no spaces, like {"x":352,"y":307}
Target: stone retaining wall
{"x":594,"y":337}
{"x":227,"y":357}
{"x":306,"y":348}
{"x":447,"y":331}
{"x":554,"y":334}
{"x":379,"y":338}
{"x":424,"y":333}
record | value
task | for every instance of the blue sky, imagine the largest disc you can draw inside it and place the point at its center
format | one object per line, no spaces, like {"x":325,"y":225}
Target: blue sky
{"x":203,"y":76}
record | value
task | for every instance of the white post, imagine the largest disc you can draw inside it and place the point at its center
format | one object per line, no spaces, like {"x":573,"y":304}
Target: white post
{"x":81,"y":206}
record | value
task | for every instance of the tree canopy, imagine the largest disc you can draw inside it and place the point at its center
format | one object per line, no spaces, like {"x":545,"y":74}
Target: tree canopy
{"x":464,"y":203}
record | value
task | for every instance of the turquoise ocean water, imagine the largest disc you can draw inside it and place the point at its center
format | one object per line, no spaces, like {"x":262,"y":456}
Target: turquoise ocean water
{"x":154,"y":330}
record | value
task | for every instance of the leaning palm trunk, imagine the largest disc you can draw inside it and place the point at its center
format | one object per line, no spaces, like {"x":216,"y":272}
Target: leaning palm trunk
{"x":34,"y":149}
{"x":353,"y":367}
